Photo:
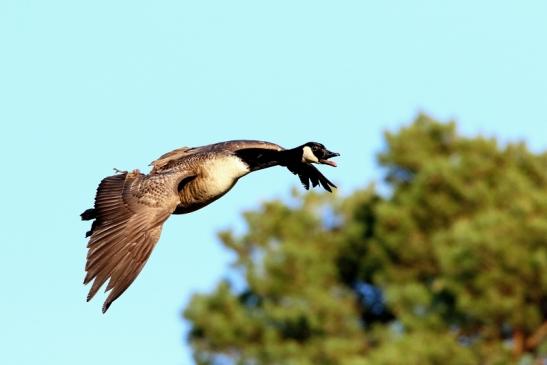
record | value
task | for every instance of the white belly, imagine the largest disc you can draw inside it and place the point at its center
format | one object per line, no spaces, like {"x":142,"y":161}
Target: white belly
{"x":216,"y":178}
{"x":221,"y":174}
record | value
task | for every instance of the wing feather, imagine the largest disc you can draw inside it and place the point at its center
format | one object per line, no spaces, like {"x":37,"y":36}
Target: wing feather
{"x":170,"y":159}
{"x":307,"y":172}
{"x":130,"y":209}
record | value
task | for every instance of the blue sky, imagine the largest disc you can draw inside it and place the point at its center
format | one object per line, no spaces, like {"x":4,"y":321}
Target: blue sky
{"x":88,"y":86}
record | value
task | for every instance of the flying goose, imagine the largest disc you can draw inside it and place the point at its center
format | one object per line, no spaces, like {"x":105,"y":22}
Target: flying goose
{"x":131,"y":207}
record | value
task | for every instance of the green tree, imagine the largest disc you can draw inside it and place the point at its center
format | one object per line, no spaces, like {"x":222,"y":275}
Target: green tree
{"x":449,"y":267}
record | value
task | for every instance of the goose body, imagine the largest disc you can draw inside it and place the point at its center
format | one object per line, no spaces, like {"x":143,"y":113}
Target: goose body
{"x":131,"y":207}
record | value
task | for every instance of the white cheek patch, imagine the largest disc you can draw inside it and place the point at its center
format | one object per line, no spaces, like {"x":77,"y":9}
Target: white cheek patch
{"x":308,"y":155}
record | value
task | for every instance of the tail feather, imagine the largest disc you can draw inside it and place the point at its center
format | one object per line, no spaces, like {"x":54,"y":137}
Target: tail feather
{"x":89,"y":214}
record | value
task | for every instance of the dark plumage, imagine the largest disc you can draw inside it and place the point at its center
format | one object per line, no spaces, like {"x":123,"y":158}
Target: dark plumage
{"x":131,"y":207}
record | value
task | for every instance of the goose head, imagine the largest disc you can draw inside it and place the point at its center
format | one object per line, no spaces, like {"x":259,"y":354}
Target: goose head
{"x":314,"y":152}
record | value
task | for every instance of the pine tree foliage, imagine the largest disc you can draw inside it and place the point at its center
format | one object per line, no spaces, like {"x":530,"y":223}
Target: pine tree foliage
{"x":449,"y":267}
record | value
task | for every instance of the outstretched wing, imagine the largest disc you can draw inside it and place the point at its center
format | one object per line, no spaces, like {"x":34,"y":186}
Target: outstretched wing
{"x":170,"y":159}
{"x":130,"y":209}
{"x":307,"y":172}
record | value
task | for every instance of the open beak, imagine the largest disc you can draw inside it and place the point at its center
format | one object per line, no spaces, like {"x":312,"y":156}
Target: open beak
{"x":326,"y":161}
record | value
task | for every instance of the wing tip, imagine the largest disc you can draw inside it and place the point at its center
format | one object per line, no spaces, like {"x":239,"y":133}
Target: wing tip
{"x":106,"y":305}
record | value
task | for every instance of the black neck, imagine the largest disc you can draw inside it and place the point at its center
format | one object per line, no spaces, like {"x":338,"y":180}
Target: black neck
{"x":261,"y":158}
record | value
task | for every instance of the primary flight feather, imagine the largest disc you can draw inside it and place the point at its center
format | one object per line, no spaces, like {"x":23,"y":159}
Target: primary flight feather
{"x":131,"y":207}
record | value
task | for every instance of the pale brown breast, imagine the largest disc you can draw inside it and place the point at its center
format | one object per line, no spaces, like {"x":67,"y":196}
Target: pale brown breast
{"x":217,"y":174}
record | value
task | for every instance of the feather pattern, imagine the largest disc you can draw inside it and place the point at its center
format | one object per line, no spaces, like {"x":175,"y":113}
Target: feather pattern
{"x":130,"y":209}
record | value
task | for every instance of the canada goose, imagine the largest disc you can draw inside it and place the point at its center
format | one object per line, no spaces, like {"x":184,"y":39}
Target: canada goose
{"x":130,"y":207}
